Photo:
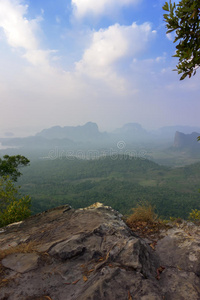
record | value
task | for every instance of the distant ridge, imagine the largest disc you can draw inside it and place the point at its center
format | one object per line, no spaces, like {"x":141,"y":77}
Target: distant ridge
{"x":88,"y":136}
{"x":87,"y":132}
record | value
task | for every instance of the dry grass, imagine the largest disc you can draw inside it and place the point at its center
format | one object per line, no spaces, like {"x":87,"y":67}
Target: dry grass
{"x":145,"y":222}
{"x":21,"y":248}
{"x":142,"y":213}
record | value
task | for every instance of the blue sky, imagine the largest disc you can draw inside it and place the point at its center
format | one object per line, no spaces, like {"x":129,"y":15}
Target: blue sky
{"x":67,"y":62}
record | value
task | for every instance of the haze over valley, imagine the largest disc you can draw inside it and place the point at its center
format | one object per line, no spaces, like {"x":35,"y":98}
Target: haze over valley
{"x":172,"y":145}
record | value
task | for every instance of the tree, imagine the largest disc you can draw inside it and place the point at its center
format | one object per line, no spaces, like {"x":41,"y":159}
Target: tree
{"x":13,"y":207}
{"x":184,"y":19}
{"x":9,"y":165}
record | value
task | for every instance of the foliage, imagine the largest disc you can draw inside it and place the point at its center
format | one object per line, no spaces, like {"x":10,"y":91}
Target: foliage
{"x":184,"y":19}
{"x":16,"y":211}
{"x":13,"y":207}
{"x":9,"y":165}
{"x":194,"y":215}
{"x":8,"y":192}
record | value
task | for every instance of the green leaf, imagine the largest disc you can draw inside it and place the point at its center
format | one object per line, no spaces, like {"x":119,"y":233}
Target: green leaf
{"x":165,"y":16}
{"x":170,"y":30}
{"x":183,"y":76}
{"x":166,"y":6}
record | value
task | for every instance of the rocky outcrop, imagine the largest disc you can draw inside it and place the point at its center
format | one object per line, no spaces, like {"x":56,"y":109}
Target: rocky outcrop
{"x":66,"y":254}
{"x":186,"y":141}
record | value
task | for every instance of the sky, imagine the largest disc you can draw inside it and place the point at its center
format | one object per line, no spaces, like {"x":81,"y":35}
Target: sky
{"x":68,"y":62}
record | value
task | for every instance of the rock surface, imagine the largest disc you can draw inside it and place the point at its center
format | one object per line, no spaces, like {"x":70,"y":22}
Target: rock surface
{"x":21,"y":262}
{"x":66,"y":254}
{"x":179,"y":252}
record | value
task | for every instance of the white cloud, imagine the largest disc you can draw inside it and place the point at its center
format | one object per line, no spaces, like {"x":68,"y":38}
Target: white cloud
{"x":84,"y":7}
{"x":110,"y":45}
{"x":39,"y":57}
{"x":18,"y":29}
{"x":21,"y":32}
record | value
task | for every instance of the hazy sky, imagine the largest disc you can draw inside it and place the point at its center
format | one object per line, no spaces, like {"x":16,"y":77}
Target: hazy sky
{"x":67,"y":62}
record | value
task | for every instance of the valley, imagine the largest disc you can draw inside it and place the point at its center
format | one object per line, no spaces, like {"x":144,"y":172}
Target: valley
{"x":120,"y":183}
{"x":80,"y":165}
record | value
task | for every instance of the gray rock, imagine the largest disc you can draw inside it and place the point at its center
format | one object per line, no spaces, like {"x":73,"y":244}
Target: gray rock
{"x":21,"y":262}
{"x":179,"y":252}
{"x":91,"y":254}
{"x":67,"y":249}
{"x":180,"y":248}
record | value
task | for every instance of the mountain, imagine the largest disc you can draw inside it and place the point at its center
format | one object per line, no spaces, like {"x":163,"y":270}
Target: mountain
{"x":131,"y":132}
{"x":169,"y":131}
{"x":91,"y":254}
{"x":186,"y":141}
{"x":86,"y":133}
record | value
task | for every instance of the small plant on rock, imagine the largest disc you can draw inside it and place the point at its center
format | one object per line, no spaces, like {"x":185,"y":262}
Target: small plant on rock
{"x":194,"y":215}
